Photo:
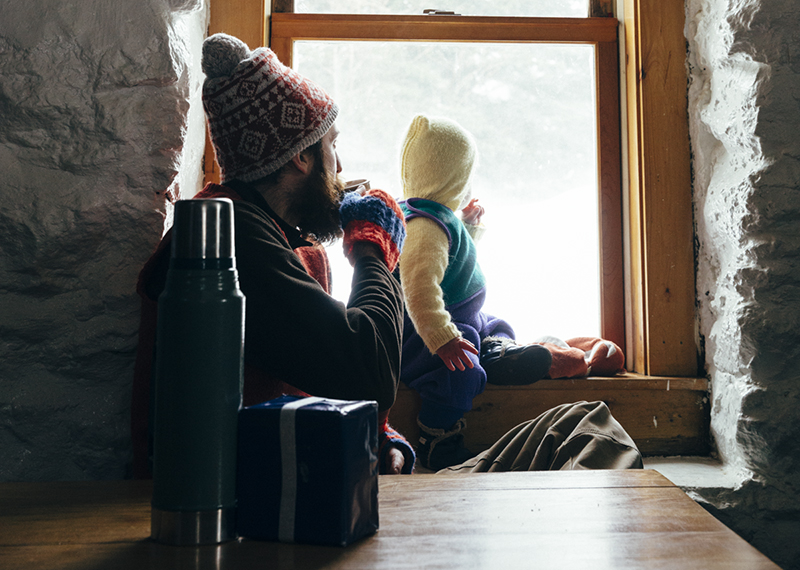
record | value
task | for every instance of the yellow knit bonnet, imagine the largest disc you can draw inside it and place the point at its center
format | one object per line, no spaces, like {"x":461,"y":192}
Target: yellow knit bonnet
{"x":437,"y":160}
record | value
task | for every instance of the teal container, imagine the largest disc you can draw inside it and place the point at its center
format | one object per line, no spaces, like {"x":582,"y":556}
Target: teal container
{"x":198,"y":380}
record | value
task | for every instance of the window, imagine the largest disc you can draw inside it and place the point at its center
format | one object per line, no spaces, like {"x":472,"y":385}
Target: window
{"x":459,"y":73}
{"x":531,"y":109}
{"x":658,"y":328}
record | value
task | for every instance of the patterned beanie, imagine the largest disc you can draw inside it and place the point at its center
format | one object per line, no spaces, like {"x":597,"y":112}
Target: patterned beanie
{"x":437,"y":160}
{"x":260,"y":112}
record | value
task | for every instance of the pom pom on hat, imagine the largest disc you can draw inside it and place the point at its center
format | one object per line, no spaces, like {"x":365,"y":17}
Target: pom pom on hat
{"x":221,"y":54}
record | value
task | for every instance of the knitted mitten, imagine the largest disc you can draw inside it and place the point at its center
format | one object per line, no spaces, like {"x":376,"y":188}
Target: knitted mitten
{"x":389,"y":435}
{"x":374,"y":217}
{"x":583,"y":356}
{"x":603,"y":357}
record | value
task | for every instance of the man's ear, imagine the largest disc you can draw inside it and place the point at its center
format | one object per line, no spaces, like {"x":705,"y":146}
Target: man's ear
{"x":303,"y":161}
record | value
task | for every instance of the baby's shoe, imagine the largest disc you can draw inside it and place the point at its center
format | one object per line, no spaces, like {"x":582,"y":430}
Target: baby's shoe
{"x":509,"y":364}
{"x":439,"y":448}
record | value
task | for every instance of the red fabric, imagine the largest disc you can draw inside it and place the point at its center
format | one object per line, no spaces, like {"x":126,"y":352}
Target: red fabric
{"x":584,"y":356}
{"x":216,"y":191}
{"x":140,"y":396}
{"x":391,"y":435}
{"x":603,"y":356}
{"x":567,"y":362}
{"x":315,"y":260}
{"x":362,"y":230}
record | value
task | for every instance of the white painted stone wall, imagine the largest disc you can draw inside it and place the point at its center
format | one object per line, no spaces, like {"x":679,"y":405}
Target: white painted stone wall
{"x":744,"y":103}
{"x":94,"y":101}
{"x":96,"y":122}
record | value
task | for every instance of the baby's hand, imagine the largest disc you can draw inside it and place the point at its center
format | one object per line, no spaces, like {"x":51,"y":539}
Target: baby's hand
{"x":472,"y":213}
{"x":454,"y":353}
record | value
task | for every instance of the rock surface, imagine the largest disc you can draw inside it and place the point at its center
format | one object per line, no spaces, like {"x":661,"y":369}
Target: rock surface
{"x":92,"y":124}
{"x":100,"y":116}
{"x":744,"y":65}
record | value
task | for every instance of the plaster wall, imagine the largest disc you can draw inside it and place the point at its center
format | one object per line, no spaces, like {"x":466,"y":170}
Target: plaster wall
{"x":99,"y":114}
{"x":744,"y":77}
{"x":94,"y":108}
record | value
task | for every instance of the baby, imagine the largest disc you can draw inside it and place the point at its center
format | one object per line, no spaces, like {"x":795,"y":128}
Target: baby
{"x":449,"y":344}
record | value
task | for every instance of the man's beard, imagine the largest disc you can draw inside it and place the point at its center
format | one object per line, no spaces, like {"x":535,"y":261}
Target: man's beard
{"x":318,"y":207}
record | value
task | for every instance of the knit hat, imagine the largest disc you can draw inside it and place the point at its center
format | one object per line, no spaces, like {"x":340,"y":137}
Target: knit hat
{"x":260,"y":112}
{"x":437,"y":160}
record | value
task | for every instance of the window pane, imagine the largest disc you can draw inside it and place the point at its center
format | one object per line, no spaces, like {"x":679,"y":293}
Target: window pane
{"x":531,"y":109}
{"x":539,"y":8}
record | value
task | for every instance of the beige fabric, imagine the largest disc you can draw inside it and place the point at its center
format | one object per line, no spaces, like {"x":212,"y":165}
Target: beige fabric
{"x":476,"y":232}
{"x":583,"y":435}
{"x":423,"y":263}
{"x":437,"y":160}
{"x":436,"y":164}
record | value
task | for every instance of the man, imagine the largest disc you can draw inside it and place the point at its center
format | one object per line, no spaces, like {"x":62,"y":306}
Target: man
{"x":275,"y":140}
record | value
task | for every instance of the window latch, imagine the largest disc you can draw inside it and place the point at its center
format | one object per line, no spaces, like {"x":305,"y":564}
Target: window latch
{"x":435,"y":12}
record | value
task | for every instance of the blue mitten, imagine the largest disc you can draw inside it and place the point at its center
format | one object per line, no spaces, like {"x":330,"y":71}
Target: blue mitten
{"x":374,"y":217}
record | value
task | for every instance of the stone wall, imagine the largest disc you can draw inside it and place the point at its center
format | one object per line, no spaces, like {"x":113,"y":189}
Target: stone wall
{"x":744,"y":68}
{"x":94,"y":100}
{"x":99,"y":114}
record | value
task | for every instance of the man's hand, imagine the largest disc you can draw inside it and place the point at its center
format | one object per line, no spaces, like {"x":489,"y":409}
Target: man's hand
{"x":393,"y":460}
{"x":374,"y":217}
{"x":454,"y":354}
{"x":364,"y":249}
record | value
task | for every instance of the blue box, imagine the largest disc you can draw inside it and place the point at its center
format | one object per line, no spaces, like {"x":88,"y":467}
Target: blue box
{"x":308,"y":470}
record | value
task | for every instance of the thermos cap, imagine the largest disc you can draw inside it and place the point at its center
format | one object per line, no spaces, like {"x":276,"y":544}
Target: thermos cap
{"x":203,"y":229}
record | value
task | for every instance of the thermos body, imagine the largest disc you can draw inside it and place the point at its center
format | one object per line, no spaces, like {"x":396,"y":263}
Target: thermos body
{"x":198,"y":389}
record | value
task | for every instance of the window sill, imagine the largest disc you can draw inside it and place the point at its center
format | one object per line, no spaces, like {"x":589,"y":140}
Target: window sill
{"x":666,"y":416}
{"x":697,"y":473}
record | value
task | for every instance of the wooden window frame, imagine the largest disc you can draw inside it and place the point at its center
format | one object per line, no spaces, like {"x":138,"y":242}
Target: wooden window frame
{"x":653,"y":314}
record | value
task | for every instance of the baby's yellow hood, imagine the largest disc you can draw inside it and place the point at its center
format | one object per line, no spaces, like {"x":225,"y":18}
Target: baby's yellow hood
{"x":437,"y":160}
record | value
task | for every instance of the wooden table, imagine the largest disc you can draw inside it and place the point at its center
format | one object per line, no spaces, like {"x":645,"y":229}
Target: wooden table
{"x":580,"y":519}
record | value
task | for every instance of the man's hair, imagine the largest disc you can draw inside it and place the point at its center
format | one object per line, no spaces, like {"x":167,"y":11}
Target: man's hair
{"x":315,"y":150}
{"x":317,"y":200}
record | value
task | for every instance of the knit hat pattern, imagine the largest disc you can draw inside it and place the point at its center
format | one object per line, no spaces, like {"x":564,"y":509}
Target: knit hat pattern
{"x":437,"y":160}
{"x":260,"y":112}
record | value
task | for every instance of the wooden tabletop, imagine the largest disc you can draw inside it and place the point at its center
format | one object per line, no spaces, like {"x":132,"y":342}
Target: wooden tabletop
{"x":576,"y":519}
